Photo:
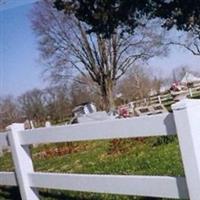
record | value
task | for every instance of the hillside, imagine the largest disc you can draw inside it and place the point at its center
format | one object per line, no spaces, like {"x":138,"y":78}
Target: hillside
{"x":151,"y":156}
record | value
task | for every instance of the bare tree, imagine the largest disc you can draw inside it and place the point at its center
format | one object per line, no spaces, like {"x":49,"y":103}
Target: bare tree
{"x":137,"y":84}
{"x":84,"y":89}
{"x":32,"y":104}
{"x":188,"y":40}
{"x":67,"y":48}
{"x":57,"y":103}
{"x":141,"y":82}
{"x":9,"y":111}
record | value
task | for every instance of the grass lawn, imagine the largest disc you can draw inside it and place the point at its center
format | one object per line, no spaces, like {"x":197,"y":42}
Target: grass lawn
{"x":150,"y":156}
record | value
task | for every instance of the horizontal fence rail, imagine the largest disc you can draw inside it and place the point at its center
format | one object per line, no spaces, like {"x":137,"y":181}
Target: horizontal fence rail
{"x":172,"y":187}
{"x":184,"y":121}
{"x":8,"y":179}
{"x":155,"y":125}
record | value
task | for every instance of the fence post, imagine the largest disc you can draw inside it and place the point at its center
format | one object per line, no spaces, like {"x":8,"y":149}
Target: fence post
{"x":1,"y":151}
{"x":190,"y":92}
{"x":145,"y":101}
{"x":22,"y":162}
{"x":187,"y":120}
{"x":159,"y":99}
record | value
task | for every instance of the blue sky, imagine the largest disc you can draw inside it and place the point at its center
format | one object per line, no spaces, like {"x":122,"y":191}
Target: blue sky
{"x":9,"y":4}
{"x":19,"y":66}
{"x":177,"y":57}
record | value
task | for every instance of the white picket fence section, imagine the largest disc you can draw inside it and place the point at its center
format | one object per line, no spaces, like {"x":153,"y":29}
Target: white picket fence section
{"x":167,"y":98}
{"x":195,"y":91}
{"x":185,"y":121}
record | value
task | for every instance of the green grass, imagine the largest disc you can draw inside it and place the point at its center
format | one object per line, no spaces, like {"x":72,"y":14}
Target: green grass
{"x":150,"y":156}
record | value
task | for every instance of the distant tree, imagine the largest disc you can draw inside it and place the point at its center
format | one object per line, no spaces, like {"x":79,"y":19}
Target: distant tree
{"x":189,"y":41}
{"x":67,"y":48}
{"x":157,"y":83}
{"x":57,"y":103}
{"x":32,"y":104}
{"x":9,"y":112}
{"x":83,"y":89}
{"x":138,"y":83}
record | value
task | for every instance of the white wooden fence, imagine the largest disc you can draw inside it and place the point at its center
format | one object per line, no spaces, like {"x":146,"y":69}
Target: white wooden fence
{"x":167,"y":98}
{"x":185,"y":121}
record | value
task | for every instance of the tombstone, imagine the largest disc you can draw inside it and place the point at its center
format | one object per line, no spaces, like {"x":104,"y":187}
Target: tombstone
{"x":92,"y":117}
{"x":84,"y":108}
{"x":47,"y":124}
{"x":27,"y":124}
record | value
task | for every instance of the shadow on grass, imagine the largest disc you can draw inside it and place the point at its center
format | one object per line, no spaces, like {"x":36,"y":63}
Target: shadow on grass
{"x":12,"y":193}
{"x":9,"y":193}
{"x":80,"y":196}
{"x":49,"y":195}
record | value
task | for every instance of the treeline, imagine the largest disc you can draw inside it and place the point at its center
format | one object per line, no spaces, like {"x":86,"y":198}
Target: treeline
{"x":56,"y":103}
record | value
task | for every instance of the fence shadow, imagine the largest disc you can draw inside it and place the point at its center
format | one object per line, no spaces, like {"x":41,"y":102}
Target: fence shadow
{"x":12,"y":193}
{"x":9,"y":193}
{"x":63,"y":196}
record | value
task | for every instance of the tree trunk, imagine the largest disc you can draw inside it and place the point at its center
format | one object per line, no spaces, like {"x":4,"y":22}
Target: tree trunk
{"x":107,"y":95}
